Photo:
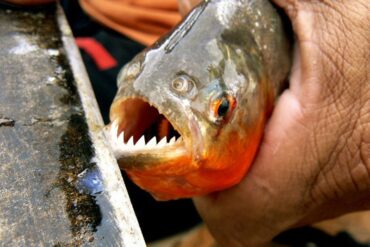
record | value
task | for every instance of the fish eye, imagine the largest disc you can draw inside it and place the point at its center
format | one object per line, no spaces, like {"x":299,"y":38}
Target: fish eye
{"x":222,"y":107}
{"x":182,"y":84}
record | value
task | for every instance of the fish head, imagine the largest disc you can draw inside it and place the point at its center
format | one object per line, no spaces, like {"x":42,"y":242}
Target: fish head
{"x":190,"y":111}
{"x":194,"y":129}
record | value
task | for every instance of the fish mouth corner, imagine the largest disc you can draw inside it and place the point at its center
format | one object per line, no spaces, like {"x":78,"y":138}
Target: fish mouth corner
{"x":140,"y":134}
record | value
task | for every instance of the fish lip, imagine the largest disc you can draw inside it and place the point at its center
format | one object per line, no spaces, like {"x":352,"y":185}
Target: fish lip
{"x":148,"y":156}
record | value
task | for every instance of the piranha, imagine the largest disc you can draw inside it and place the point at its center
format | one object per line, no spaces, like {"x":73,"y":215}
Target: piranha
{"x":190,"y":110}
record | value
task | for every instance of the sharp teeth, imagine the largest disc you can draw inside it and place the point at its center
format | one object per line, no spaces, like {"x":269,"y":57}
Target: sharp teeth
{"x":121,"y":138}
{"x":163,"y":141}
{"x":172,"y":141}
{"x":130,"y":142}
{"x":141,"y":142}
{"x":114,"y":129}
{"x":152,"y":142}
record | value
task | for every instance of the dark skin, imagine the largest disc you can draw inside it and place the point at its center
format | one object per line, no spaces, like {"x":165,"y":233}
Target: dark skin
{"x":314,"y":161}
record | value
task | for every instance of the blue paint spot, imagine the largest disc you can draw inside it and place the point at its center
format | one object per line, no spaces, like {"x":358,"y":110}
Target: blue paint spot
{"x":90,"y":182}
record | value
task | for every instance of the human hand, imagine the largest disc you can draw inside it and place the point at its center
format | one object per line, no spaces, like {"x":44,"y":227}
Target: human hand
{"x":314,"y":160}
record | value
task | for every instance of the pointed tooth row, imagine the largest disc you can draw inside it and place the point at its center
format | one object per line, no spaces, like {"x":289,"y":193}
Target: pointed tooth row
{"x":121,"y":137}
{"x":152,"y":142}
{"x":140,"y":144}
{"x":163,"y":141}
{"x":114,"y":128}
{"x":130,"y":141}
{"x":141,"y":141}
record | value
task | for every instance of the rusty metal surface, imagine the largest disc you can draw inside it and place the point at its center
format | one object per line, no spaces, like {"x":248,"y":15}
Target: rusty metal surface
{"x":59,"y":184}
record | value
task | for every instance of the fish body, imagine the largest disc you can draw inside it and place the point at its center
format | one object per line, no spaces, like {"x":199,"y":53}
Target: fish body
{"x":190,"y":110}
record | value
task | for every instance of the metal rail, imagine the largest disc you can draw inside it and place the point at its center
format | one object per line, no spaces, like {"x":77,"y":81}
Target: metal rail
{"x":60,"y":185}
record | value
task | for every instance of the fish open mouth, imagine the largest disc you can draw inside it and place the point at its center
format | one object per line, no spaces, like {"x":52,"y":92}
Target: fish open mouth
{"x":139,"y":129}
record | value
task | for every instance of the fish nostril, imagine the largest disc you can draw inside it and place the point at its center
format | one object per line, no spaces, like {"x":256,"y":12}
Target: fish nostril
{"x":133,"y":70}
{"x":130,"y":71}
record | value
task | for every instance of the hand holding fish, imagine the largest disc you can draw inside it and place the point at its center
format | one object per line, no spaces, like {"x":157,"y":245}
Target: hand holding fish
{"x":314,"y":161}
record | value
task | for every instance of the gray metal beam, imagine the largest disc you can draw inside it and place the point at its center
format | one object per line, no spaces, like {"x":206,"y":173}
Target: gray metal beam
{"x":59,"y":182}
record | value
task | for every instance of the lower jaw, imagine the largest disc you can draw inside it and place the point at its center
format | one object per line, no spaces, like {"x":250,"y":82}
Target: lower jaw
{"x":170,"y":187}
{"x":168,"y":183}
{"x":164,"y":188}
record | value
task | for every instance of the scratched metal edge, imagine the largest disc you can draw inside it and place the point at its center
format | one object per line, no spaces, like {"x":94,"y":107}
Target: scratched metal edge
{"x":114,"y":188}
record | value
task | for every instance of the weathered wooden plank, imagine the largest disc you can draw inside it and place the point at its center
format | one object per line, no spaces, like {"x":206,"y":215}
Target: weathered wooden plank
{"x":59,"y":183}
